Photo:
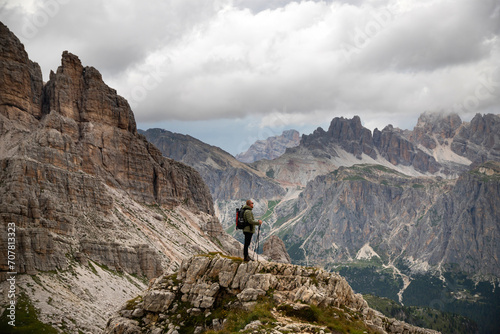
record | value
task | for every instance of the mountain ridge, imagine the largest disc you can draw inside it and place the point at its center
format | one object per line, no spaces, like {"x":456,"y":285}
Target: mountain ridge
{"x":226,"y":177}
{"x":270,"y":148}
{"x":346,"y":142}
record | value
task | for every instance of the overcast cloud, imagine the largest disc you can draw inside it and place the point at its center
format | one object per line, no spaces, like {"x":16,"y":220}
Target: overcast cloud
{"x":231,"y":72}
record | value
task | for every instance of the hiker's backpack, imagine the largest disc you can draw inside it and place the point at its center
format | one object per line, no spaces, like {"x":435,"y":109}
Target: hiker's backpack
{"x":240,"y":218}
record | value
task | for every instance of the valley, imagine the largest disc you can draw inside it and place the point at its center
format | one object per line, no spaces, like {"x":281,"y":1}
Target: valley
{"x":397,"y":210}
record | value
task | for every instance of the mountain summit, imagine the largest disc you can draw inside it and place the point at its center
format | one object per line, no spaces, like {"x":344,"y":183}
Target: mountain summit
{"x":270,"y":148}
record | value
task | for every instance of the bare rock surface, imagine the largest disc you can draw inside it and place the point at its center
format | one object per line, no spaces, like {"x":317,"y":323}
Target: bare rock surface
{"x":275,"y":250}
{"x":226,"y":177}
{"x":204,"y":285}
{"x":270,"y":148}
{"x":82,"y":186}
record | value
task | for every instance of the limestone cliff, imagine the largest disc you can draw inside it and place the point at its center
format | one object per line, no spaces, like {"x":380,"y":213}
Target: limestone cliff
{"x":479,"y":141}
{"x":82,"y":186}
{"x":270,"y":148}
{"x":226,"y":177}
{"x":214,"y":292}
{"x":440,"y":145}
{"x":60,"y":158}
{"x":427,"y":222}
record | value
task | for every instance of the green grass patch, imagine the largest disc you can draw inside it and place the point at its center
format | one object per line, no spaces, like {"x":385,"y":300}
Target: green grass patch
{"x":305,"y":313}
{"x":341,"y":320}
{"x":132,"y":303}
{"x":92,"y":268}
{"x":354,"y":178}
{"x":270,"y":209}
{"x":336,"y":320}
{"x":238,"y":318}
{"x":26,"y":319}
{"x":213,"y":254}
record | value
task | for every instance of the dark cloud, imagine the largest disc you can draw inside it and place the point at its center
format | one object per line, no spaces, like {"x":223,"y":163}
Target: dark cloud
{"x":276,"y":60}
{"x":431,"y":37}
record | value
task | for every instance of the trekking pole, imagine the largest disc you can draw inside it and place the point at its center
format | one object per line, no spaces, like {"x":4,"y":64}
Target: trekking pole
{"x":257,"y":245}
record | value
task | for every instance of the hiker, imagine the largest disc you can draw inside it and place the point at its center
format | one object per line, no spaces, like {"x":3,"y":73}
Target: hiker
{"x":249,"y":230}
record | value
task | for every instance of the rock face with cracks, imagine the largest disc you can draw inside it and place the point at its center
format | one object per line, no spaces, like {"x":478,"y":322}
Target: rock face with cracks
{"x":275,"y":250}
{"x":84,"y":189}
{"x":271,"y":148}
{"x":62,"y":147}
{"x":226,"y":177}
{"x":204,"y":284}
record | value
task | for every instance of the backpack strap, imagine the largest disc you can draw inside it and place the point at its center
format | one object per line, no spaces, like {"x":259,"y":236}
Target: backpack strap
{"x":243,"y":210}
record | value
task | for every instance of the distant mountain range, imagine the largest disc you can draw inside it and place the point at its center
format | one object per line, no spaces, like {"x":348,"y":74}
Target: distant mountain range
{"x":226,"y":177}
{"x":439,"y":145}
{"x":270,"y":148}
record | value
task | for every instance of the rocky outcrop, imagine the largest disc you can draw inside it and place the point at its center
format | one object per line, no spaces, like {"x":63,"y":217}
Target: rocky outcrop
{"x":207,"y":289}
{"x":20,"y":79}
{"x":479,"y":140}
{"x":435,"y":129}
{"x":79,"y":93}
{"x":352,"y":136}
{"x":398,"y":150}
{"x":226,"y":177}
{"x":271,"y":148}
{"x":343,"y":134}
{"x":274,"y":249}
{"x":102,"y":125}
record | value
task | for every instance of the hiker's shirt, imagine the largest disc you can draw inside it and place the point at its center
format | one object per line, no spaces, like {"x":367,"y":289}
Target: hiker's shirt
{"x":251,"y":222}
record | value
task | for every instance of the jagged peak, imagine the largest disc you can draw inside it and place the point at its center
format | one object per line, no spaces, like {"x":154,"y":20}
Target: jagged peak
{"x":290,"y":133}
{"x":270,"y":148}
{"x":440,"y":123}
{"x":70,"y":61}
{"x":20,"y":79}
{"x":80,"y":93}
{"x":11,"y":45}
{"x":338,"y":124}
{"x":488,"y":120}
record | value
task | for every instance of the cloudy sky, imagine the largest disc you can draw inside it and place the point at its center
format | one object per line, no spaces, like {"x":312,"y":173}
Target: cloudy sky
{"x":231,"y":72}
